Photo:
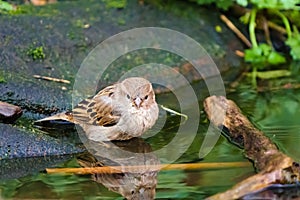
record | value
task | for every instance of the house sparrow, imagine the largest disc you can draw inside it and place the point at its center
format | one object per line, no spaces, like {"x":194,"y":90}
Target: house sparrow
{"x":137,"y":182}
{"x":118,"y":112}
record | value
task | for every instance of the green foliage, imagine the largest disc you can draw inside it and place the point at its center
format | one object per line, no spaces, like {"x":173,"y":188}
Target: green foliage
{"x":293,"y":16}
{"x":272,"y":4}
{"x":294,"y":43}
{"x":261,"y":4}
{"x":36,"y":53}
{"x":243,"y":3}
{"x":262,"y":56}
{"x":6,"y":7}
{"x":223,"y":4}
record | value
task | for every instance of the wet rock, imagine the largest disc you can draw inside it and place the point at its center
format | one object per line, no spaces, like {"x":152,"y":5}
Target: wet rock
{"x":67,"y":31}
{"x":64,"y":33}
{"x":16,"y":143}
{"x":20,"y":167}
{"x":9,"y":112}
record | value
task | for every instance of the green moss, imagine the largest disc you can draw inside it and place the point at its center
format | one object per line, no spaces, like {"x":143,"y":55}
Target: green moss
{"x":179,"y":8}
{"x":116,"y":3}
{"x":79,"y":23}
{"x":36,"y":53}
{"x":71,"y":35}
{"x":121,"y":21}
{"x":2,"y":79}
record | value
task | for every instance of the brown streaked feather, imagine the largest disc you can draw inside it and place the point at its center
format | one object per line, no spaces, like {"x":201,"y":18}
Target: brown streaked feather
{"x":98,"y":110}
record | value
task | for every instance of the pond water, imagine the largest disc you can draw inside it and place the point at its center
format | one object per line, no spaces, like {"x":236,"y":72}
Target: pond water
{"x":277,"y":113}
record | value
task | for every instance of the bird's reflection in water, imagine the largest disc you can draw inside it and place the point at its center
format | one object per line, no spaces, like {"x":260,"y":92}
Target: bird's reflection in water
{"x":135,"y":182}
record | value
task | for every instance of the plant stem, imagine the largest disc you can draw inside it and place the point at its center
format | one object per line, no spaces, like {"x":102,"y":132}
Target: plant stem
{"x":252,"y":25}
{"x":285,"y":22}
{"x":254,"y":74}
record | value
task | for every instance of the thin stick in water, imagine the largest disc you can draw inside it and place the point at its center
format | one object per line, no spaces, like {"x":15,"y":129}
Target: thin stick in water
{"x":123,"y":169}
{"x":51,"y":79}
{"x":174,"y":112}
{"x":236,"y":30}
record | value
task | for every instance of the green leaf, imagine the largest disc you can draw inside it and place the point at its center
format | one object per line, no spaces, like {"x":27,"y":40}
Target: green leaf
{"x":266,"y":49}
{"x":276,"y":4}
{"x":243,"y":3}
{"x":294,"y":43}
{"x":245,"y":18}
{"x":6,"y":6}
{"x":288,"y":4}
{"x":295,"y":52}
{"x":254,"y":55}
{"x":275,"y":58}
{"x":224,"y":4}
{"x":262,"y":55}
{"x":293,"y":16}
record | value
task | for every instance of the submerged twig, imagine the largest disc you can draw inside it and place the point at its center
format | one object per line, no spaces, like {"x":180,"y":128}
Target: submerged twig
{"x":239,"y":53}
{"x":124,"y":169}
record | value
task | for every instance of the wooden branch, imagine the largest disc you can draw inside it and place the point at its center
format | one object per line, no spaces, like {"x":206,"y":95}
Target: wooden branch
{"x":52,"y":79}
{"x":236,"y":30}
{"x":274,"y":166}
{"x":123,"y":169}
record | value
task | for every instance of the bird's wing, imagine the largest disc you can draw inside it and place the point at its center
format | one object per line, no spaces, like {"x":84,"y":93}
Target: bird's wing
{"x":66,"y":116}
{"x":98,"y":110}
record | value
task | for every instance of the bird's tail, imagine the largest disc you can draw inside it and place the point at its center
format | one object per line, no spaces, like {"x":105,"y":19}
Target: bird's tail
{"x":66,"y":116}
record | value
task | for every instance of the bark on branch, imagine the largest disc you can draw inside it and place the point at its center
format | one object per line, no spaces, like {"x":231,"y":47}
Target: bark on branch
{"x":273,"y":166}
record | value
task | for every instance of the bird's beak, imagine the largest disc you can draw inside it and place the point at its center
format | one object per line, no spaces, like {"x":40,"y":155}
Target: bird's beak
{"x":138,"y":102}
{"x":142,"y":190}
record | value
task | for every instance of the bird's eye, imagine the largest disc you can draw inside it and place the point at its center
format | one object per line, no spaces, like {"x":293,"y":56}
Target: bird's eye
{"x":146,"y":97}
{"x":128,"y":97}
